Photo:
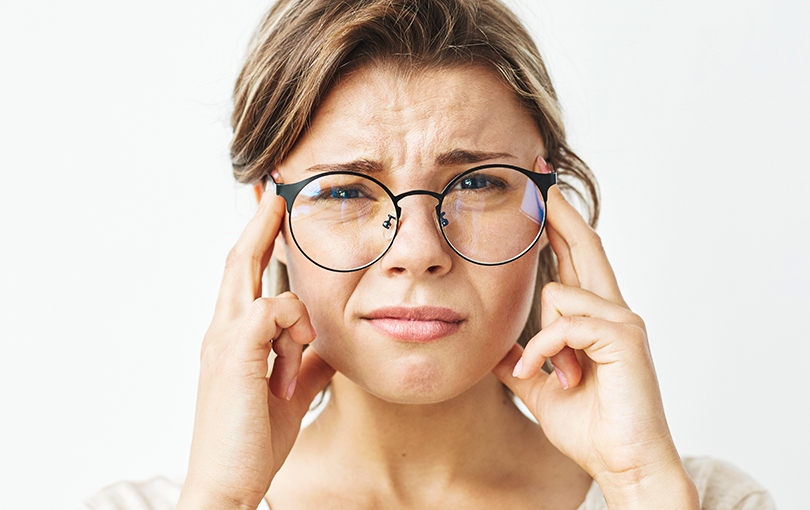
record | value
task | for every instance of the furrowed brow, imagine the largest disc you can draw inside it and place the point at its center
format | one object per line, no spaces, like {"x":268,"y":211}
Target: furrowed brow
{"x":463,"y":157}
{"x":454,"y":157}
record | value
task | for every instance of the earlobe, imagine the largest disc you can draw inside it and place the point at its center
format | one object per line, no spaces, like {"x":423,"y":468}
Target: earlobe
{"x":258,"y":190}
{"x":279,"y":248}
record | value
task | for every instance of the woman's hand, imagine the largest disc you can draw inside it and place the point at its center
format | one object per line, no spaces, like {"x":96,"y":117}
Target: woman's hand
{"x":246,"y":424}
{"x":603,"y":409}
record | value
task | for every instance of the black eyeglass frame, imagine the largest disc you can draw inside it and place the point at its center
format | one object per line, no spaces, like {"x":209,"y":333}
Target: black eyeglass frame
{"x":289,"y":192}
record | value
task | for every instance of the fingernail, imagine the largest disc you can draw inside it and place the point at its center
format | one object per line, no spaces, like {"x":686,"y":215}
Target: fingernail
{"x":291,"y":389}
{"x":562,"y":378}
{"x":518,"y":367}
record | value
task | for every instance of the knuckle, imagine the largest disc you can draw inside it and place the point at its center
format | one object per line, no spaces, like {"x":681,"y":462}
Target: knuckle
{"x":209,"y":342}
{"x":287,"y":349}
{"x":550,"y":293}
{"x":595,"y":242}
{"x":591,"y":241}
{"x":265,"y":307}
{"x":285,"y":313}
{"x":637,"y":321}
{"x":232,"y":259}
{"x":567,"y":324}
{"x":634,"y":333}
{"x":238,"y":256}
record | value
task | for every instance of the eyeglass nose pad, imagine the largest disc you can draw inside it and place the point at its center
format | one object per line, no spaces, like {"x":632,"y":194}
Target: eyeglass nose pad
{"x":440,"y":217}
{"x":390,"y":226}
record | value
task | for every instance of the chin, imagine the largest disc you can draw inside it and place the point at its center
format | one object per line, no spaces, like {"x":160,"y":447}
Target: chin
{"x":413,"y":395}
{"x":415,"y":378}
{"x":413,"y":383}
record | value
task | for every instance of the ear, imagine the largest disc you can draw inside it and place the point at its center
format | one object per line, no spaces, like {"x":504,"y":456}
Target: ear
{"x":279,"y":245}
{"x":258,"y":190}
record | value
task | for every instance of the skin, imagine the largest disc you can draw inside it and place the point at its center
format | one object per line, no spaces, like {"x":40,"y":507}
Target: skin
{"x":426,"y":425}
{"x":382,"y":118}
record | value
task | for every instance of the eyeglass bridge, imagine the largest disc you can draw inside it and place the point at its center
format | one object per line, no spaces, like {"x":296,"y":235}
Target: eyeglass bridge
{"x":438,"y":196}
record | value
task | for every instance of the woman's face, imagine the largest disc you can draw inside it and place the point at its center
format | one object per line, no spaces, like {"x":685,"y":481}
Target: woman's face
{"x":421,"y":131}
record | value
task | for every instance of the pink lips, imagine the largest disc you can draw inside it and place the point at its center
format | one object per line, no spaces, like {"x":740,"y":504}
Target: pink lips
{"x":415,"y":324}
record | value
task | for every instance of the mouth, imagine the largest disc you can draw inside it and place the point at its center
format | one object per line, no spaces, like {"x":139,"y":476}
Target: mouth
{"x":415,"y":324}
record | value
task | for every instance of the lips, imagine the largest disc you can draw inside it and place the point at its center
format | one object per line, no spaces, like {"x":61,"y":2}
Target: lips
{"x":415,"y":324}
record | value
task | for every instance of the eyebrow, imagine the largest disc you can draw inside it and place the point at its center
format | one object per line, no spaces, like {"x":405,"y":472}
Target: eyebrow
{"x":363,"y":166}
{"x":464,"y":157}
{"x":450,"y":158}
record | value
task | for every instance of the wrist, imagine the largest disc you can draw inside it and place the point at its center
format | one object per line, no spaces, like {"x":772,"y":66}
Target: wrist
{"x":659,"y":488}
{"x":195,"y":498}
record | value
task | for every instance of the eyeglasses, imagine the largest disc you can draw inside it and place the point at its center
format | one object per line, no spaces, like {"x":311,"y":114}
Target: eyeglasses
{"x":346,"y":221}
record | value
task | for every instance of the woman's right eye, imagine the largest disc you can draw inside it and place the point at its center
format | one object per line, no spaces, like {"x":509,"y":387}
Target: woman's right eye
{"x":346,"y":193}
{"x":341,"y":193}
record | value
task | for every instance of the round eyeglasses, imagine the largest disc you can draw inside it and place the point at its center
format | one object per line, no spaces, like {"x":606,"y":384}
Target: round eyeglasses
{"x":346,"y":221}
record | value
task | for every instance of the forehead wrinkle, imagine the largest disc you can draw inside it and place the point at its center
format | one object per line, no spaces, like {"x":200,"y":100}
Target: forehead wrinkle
{"x":425,"y":121}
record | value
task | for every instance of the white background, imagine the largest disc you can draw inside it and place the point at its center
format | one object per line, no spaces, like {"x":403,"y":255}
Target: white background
{"x":118,"y":208}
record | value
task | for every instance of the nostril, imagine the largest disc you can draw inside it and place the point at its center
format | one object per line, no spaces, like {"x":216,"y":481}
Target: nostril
{"x":435,"y":269}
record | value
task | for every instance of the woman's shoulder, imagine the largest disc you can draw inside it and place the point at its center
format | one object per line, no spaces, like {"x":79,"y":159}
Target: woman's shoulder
{"x":158,"y":493}
{"x":721,"y":486}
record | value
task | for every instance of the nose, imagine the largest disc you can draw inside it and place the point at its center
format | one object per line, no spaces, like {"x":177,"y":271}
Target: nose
{"x":419,"y":247}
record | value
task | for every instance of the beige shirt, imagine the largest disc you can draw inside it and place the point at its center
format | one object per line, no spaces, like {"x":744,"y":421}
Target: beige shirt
{"x":721,"y":487}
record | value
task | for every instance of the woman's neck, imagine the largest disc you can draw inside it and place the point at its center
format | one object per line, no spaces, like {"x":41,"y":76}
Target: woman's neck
{"x":477,"y":437}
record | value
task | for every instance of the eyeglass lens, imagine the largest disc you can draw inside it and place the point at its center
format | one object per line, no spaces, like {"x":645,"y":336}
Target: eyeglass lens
{"x":489,"y":216}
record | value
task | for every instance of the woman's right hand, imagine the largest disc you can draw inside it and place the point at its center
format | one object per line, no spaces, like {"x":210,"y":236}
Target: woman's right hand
{"x":245,"y":423}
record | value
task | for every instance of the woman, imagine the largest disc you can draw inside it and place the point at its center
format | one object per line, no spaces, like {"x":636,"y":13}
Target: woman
{"x":404,"y":155}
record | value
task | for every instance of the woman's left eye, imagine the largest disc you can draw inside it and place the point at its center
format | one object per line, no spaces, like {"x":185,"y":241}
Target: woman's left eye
{"x":474,"y":182}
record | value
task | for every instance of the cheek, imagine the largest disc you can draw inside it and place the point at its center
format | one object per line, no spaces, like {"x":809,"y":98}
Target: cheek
{"x":325,"y":295}
{"x":512,"y":294}
{"x":323,"y":292}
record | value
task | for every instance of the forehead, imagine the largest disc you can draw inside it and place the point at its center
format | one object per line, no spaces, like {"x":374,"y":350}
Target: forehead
{"x":408,"y":119}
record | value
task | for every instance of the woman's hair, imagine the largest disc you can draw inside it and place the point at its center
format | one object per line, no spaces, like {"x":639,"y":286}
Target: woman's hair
{"x":303,"y":46}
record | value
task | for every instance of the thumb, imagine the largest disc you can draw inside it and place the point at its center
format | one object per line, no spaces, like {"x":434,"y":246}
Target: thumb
{"x":526,"y":390}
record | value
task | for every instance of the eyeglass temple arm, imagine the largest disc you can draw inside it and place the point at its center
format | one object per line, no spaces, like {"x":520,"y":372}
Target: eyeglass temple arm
{"x":289,"y":191}
{"x":544,"y":182}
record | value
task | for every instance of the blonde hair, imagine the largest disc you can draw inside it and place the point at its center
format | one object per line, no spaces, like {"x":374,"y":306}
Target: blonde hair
{"x":302,"y":47}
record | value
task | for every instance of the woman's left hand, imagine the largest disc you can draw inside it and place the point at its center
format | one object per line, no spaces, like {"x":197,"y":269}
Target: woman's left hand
{"x":603,"y":409}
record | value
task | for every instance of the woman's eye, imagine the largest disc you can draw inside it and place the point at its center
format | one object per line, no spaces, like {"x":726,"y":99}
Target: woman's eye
{"x":474,"y":183}
{"x":477,"y":182}
{"x":341,"y":193}
{"x":346,"y":193}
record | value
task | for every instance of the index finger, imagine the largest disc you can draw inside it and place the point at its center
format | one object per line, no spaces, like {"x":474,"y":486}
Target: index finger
{"x":582,"y":259}
{"x":247,"y":260}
